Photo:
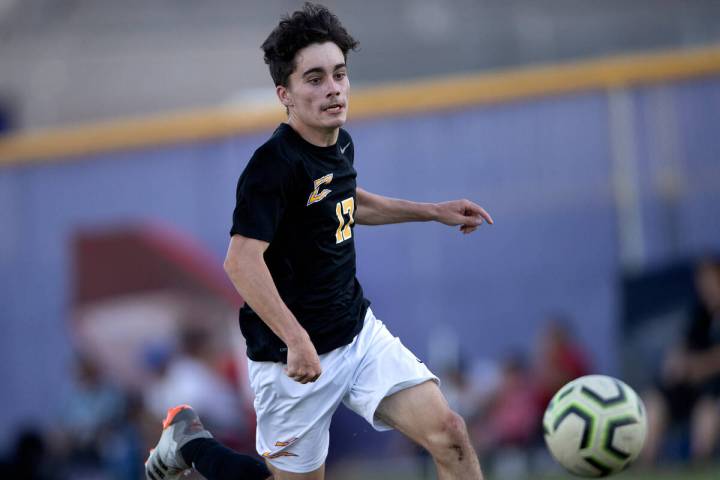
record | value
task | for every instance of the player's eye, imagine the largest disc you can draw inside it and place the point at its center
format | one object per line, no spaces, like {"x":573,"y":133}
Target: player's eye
{"x":314,"y":80}
{"x":340,"y":75}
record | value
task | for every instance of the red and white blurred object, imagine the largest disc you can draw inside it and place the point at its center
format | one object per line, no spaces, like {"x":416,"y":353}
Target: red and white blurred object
{"x":136,"y":287}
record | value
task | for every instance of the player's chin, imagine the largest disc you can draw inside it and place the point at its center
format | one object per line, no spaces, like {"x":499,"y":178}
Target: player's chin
{"x":335,"y":122}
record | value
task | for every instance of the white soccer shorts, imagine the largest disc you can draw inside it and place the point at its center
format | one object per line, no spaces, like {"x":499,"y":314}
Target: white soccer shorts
{"x":293,"y":419}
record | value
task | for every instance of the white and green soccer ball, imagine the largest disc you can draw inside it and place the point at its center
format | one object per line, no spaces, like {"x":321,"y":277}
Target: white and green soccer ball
{"x":595,"y":426}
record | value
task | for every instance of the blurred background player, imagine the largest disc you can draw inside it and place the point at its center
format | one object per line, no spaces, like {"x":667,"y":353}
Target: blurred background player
{"x":689,"y":388}
{"x":559,"y":358}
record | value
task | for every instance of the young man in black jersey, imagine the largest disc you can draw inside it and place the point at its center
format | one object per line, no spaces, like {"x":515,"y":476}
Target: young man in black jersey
{"x":312,"y":339}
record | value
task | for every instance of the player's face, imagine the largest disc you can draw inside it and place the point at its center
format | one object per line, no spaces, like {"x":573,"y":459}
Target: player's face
{"x":317,"y":91}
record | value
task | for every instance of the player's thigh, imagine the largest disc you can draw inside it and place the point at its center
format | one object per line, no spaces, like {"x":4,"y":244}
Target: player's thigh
{"x":293,"y":419}
{"x":386,"y":367}
{"x":420,"y":412}
{"x":278,"y":474}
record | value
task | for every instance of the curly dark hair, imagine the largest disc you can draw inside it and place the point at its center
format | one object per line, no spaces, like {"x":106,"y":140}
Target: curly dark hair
{"x":313,"y":24}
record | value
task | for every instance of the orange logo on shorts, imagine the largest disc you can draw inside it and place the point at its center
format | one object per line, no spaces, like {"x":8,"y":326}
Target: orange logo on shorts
{"x":282,"y":453}
{"x":279,"y":454}
{"x":286,"y":443}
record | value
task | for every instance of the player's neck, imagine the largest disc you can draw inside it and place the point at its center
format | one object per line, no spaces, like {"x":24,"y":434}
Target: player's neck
{"x":318,"y":137}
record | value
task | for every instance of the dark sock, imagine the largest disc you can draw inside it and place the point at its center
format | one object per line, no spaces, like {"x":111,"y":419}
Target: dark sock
{"x":217,"y":462}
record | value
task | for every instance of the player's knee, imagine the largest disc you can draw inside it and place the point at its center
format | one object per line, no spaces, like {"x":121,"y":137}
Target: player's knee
{"x":450,"y":443}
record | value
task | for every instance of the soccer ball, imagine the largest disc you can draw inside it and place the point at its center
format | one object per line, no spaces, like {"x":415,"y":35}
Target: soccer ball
{"x":595,"y":426}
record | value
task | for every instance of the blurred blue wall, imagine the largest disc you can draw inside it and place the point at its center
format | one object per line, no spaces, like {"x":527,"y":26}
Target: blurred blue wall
{"x":542,"y":168}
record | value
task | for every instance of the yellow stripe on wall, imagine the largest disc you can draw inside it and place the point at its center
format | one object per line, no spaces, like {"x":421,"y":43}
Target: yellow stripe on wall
{"x":396,"y":99}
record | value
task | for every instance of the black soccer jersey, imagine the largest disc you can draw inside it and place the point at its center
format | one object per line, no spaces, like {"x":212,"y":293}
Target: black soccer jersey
{"x":301,"y":199}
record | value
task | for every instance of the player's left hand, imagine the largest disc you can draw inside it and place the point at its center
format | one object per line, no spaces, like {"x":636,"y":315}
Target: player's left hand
{"x":465,"y":213}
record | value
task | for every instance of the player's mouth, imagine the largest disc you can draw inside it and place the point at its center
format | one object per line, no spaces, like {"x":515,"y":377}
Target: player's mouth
{"x":334,"y":108}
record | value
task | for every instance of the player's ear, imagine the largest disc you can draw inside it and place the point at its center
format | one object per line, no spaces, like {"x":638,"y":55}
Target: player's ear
{"x":284,"y":96}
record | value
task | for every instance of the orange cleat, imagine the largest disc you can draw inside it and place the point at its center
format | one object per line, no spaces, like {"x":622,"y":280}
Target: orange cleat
{"x":180,"y":426}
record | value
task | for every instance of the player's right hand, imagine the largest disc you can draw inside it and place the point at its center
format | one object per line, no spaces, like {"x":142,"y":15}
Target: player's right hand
{"x":303,"y":363}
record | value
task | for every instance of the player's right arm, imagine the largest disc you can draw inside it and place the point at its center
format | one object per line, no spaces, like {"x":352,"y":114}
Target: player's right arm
{"x":246,"y":267}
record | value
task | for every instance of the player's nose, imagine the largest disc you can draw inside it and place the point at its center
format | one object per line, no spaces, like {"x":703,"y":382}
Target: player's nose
{"x":334,"y":89}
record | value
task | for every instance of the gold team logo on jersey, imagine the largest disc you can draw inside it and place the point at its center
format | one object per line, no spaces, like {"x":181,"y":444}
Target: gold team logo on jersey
{"x":316,"y":196}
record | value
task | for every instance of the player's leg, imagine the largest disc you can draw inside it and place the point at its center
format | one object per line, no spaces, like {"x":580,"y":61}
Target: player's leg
{"x":657,"y":420}
{"x":394,"y":389}
{"x":217,"y":462}
{"x":185,"y":443}
{"x":664,"y":405}
{"x":278,"y":474}
{"x":423,"y":415}
{"x":293,"y":419}
{"x":705,"y":428}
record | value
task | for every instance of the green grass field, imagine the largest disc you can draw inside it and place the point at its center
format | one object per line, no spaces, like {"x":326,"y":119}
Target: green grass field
{"x":403,"y":471}
{"x":675,"y":474}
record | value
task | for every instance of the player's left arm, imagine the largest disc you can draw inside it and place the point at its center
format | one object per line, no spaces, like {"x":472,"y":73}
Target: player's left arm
{"x":373,"y":209}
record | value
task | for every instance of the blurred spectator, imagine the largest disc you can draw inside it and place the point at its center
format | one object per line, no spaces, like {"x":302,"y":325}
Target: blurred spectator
{"x":192,"y":377}
{"x":91,"y":406}
{"x":509,"y":417}
{"x":91,"y":413}
{"x":29,"y":459}
{"x":508,"y":429}
{"x":462,"y":394}
{"x":124,"y":448}
{"x":688,"y":391}
{"x":559,"y":359}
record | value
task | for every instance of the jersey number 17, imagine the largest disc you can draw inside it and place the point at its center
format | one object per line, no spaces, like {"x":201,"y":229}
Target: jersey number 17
{"x":346,"y":207}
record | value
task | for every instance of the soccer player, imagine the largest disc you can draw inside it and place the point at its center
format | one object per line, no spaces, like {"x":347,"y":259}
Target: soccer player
{"x":312,"y":339}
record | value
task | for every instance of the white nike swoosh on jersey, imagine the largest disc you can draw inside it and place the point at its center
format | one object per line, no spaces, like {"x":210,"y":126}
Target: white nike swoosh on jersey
{"x":342,"y":149}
